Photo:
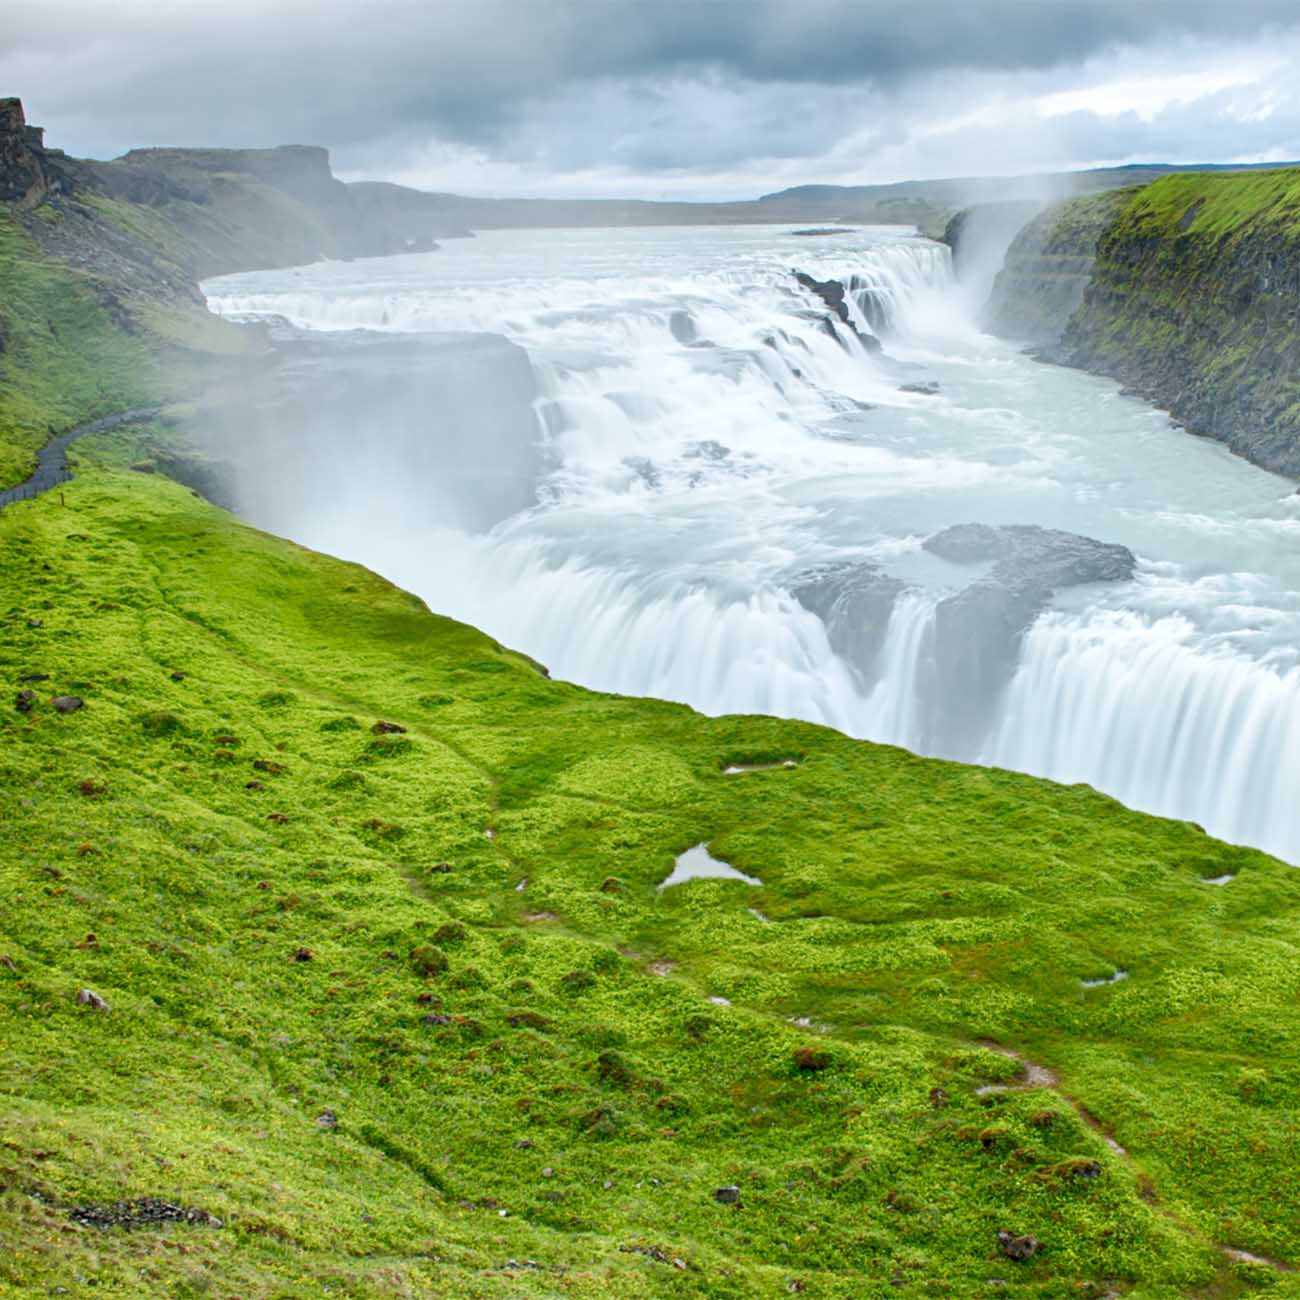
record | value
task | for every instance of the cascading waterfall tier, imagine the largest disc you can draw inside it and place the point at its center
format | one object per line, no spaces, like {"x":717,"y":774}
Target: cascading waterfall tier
{"x":719,"y":441}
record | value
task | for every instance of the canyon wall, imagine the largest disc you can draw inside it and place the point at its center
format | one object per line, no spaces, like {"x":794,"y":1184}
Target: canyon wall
{"x":1186,"y":290}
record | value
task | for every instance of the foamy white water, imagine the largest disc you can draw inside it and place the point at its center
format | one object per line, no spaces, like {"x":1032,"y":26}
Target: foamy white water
{"x":708,"y":442}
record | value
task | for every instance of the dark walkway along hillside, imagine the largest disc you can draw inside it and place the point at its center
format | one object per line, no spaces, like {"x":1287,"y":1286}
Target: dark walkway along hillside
{"x":52,"y":462}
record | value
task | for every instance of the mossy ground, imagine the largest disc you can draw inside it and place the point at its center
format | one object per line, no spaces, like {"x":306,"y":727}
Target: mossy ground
{"x":267,"y":1059}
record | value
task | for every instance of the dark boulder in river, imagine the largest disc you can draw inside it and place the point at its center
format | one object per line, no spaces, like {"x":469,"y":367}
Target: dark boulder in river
{"x":1028,"y":553}
{"x":855,"y":601}
{"x":979,"y":630}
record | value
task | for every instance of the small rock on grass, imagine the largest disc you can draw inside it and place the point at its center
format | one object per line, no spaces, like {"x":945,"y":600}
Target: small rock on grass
{"x":24,"y":701}
{"x":727,"y":1195}
{"x":1017,"y":1248}
{"x":67,"y":703}
{"x":89,"y":998}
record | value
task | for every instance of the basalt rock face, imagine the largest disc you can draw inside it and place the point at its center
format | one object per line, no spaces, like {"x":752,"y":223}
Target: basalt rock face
{"x":854,"y":601}
{"x":1047,"y":269}
{"x":1194,"y":304}
{"x":23,"y":177}
{"x":979,"y":630}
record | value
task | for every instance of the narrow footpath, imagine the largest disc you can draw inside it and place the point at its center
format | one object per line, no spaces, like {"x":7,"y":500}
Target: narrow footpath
{"x":52,"y":459}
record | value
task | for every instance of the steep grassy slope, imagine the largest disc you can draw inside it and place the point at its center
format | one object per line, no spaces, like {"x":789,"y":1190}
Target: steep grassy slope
{"x":405,"y":1011}
{"x":62,"y":360}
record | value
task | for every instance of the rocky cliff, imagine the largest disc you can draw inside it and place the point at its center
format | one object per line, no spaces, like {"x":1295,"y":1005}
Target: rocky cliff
{"x":1047,"y":268}
{"x":1194,"y":302}
{"x":1186,"y":290}
{"x":23,"y":176}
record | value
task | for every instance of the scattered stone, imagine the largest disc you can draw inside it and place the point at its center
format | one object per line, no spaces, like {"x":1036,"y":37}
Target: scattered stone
{"x":927,"y":389}
{"x":540,"y":916}
{"x":278,"y":818}
{"x":264,"y":884}
{"x":441,"y":869}
{"x":67,"y":703}
{"x":811,"y":1058}
{"x":607,"y":1185}
{"x":254,"y":785}
{"x":8,"y":962}
{"x":178,"y":677}
{"x":729,"y":1195}
{"x":435,"y":1019}
{"x":227,"y":741}
{"x":388,"y":729}
{"x":89,"y":998}
{"x":35,"y":622}
{"x":1017,"y":1248}
{"x":327,"y":1120}
{"x":24,"y":701}
{"x":303,"y":954}
{"x":266,"y":765}
{"x":548,"y":1172}
{"x":134,"y":1214}
{"x":35,"y":677}
{"x":521,"y":886}
{"x":938,"y":1098}
{"x":524,"y":1144}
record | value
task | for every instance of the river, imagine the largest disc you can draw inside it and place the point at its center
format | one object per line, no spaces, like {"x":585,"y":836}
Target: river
{"x":707,"y":443}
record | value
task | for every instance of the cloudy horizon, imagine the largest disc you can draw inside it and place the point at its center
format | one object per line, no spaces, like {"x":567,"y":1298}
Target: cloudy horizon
{"x":706,"y":99}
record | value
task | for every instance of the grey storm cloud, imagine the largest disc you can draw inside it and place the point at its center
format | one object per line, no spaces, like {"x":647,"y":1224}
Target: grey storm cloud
{"x":642,"y":85}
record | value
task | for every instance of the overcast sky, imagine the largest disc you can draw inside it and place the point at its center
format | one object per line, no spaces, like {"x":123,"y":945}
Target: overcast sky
{"x":667,"y":98}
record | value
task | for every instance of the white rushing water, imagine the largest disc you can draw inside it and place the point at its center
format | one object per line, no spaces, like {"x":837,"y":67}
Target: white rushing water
{"x":708,"y":442}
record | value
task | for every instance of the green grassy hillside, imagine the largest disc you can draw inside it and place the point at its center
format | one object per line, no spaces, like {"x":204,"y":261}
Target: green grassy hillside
{"x":62,"y":360}
{"x":405,"y":1011}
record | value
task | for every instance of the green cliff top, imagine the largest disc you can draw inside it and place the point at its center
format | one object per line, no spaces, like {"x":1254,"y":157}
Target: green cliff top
{"x":1215,"y":204}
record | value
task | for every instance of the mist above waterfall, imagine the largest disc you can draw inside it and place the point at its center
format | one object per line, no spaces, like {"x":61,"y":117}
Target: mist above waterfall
{"x":732,"y":486}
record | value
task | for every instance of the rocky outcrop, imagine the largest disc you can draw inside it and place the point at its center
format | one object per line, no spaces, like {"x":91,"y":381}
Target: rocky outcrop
{"x":854,"y":601}
{"x":978,"y":631}
{"x":23,"y":178}
{"x":835,"y":296}
{"x":1047,"y":268}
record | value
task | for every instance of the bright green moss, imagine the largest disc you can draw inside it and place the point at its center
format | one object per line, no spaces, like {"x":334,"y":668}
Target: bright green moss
{"x":284,"y":1049}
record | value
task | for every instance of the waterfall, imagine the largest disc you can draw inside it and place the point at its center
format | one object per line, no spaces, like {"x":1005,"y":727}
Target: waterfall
{"x":1129,"y":706}
{"x":713,"y":433}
